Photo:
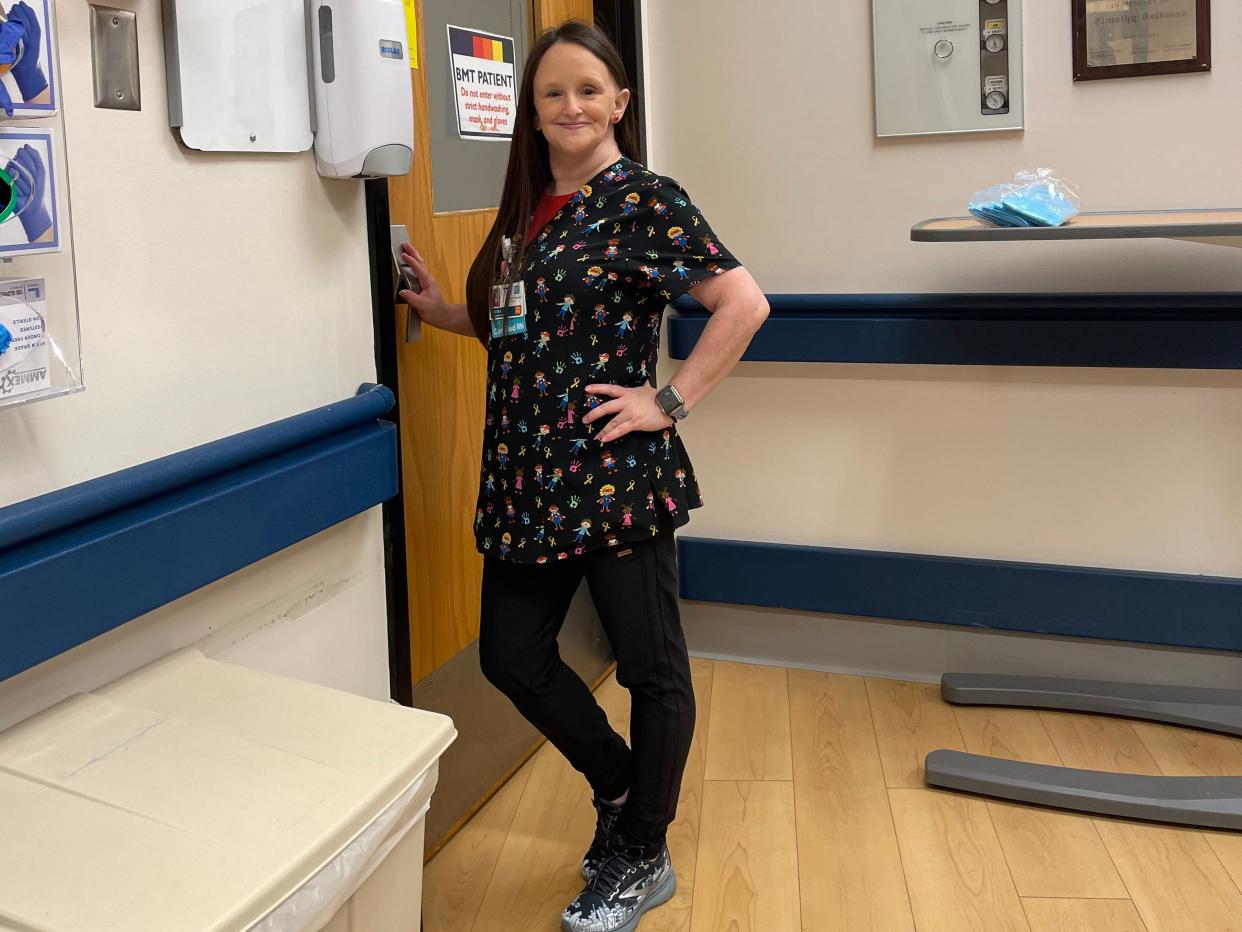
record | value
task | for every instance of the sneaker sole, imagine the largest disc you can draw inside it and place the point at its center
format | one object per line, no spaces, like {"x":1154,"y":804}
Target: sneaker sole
{"x":659,"y":897}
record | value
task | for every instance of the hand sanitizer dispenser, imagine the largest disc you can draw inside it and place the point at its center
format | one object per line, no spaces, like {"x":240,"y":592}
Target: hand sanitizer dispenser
{"x":363,"y":108}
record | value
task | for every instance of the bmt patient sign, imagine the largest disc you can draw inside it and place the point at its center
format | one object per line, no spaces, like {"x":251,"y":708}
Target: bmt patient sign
{"x":483,"y":83}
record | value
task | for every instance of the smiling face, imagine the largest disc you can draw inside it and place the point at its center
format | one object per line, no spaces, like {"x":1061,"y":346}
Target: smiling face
{"x":576,"y":101}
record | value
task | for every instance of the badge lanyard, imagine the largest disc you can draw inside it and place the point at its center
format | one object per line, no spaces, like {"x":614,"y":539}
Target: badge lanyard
{"x":508,"y":305}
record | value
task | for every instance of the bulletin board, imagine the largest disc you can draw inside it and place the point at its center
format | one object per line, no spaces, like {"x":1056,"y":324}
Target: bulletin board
{"x":466,"y":174}
{"x":40,"y":348}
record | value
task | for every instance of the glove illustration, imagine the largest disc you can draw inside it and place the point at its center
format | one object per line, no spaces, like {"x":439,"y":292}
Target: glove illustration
{"x":12,"y":32}
{"x":30,"y":178}
{"x":31,"y":80}
{"x":5,"y":338}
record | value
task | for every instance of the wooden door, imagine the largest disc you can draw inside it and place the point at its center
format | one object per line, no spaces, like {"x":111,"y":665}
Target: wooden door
{"x":441,"y":381}
{"x":442,"y":405}
{"x":549,"y":13}
{"x":442,"y":384}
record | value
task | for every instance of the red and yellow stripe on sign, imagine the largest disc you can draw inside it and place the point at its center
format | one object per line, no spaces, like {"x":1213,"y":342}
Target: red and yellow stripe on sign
{"x":491,"y":49}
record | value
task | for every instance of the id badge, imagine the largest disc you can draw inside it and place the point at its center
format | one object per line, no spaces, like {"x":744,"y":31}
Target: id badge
{"x":508,"y":316}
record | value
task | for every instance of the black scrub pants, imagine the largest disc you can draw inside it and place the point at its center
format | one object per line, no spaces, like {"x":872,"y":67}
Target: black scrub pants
{"x":634,"y":588}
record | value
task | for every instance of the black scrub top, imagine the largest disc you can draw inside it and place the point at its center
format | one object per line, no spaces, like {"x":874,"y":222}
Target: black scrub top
{"x":597,"y":277}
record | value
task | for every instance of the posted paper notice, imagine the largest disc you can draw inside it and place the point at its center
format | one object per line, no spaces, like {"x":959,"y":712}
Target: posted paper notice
{"x":483,"y":83}
{"x":23,"y":337}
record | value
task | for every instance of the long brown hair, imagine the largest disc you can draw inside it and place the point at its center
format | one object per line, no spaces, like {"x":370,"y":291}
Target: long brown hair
{"x":529,"y":172}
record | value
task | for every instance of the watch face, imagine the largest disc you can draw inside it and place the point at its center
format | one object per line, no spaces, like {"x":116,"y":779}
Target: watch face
{"x":669,"y":400}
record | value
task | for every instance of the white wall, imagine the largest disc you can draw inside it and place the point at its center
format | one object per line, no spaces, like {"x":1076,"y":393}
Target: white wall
{"x":765,"y":111}
{"x":217,"y":293}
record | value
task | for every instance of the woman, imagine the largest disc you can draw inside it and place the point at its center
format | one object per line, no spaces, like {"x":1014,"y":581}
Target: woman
{"x":583,"y":474}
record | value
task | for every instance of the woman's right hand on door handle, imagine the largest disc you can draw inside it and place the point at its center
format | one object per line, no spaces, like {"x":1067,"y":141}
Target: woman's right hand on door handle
{"x":427,"y":301}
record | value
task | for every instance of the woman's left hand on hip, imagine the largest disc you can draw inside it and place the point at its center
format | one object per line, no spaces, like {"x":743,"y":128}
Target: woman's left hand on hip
{"x":631,"y":409}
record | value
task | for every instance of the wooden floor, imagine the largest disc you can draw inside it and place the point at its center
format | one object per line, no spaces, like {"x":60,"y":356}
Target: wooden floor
{"x":803,"y":808}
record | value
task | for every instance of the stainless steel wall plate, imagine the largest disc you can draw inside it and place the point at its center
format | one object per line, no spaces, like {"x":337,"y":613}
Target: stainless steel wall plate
{"x":114,"y":58}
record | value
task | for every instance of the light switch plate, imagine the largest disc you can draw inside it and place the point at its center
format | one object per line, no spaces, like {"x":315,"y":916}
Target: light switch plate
{"x":114,"y":58}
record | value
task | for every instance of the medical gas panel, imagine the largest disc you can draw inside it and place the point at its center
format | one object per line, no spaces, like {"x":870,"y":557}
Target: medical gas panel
{"x":947,"y":66}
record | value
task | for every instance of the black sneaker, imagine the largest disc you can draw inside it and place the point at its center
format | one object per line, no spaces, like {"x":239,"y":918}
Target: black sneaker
{"x":625,"y":886}
{"x":601,"y":846}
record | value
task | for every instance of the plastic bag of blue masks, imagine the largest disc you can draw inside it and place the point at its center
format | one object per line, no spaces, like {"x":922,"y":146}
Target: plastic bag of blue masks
{"x":1036,"y":197}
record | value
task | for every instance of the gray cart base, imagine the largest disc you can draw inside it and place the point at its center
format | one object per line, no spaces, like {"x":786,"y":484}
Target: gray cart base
{"x":1214,"y":802}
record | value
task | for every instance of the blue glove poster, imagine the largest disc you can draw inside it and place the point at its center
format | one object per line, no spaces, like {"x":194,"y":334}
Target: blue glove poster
{"x":27,"y":88}
{"x":28,"y":212}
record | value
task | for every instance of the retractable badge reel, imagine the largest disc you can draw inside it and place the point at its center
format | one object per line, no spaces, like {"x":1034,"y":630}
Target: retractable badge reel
{"x":508,"y":311}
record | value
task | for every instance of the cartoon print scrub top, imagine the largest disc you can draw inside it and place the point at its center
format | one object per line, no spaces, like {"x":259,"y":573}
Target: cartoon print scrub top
{"x":597,"y":279}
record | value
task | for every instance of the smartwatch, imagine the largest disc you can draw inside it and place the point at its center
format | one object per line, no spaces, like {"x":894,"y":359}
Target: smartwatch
{"x":671,"y":403}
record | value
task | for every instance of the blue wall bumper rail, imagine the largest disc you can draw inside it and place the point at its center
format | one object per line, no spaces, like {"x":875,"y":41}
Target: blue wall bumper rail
{"x":1111,"y":604}
{"x":1160,"y":331}
{"x":80,"y":561}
